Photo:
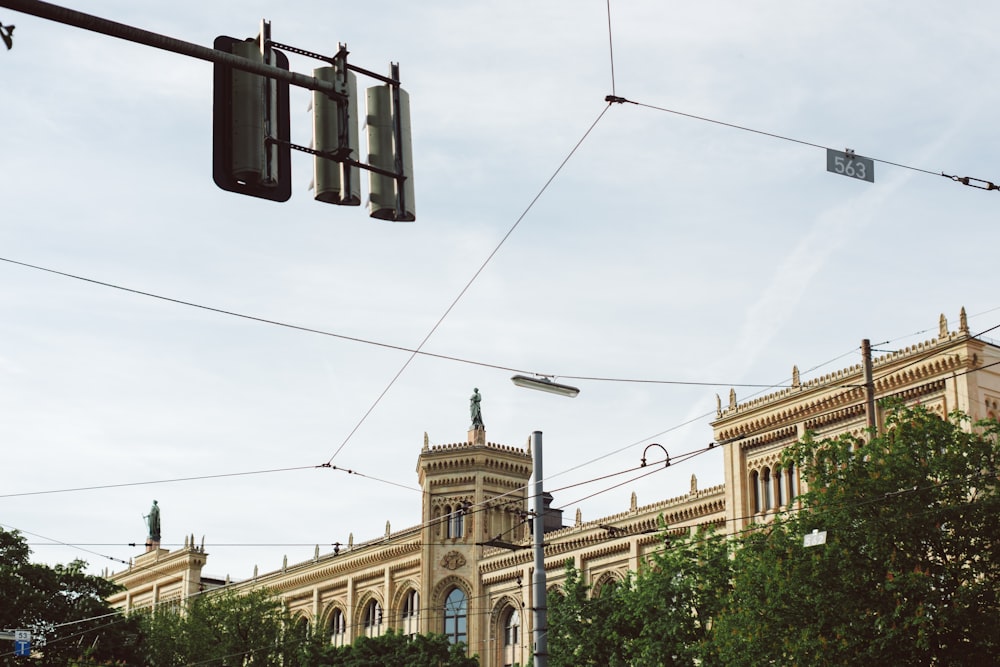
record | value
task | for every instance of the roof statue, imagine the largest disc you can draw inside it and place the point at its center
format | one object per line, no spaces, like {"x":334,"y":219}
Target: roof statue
{"x":795,"y":377}
{"x":963,"y":321}
{"x":718,"y":406}
{"x":732,"y":399}
{"x":475,"y":410}
{"x":942,"y":326}
{"x":153,"y":522}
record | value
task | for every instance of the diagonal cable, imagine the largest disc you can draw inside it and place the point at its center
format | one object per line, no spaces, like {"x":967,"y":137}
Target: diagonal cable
{"x":465,"y":289}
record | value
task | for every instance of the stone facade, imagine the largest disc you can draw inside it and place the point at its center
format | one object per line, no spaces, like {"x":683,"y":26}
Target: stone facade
{"x":466,"y":570}
{"x":954,"y":371}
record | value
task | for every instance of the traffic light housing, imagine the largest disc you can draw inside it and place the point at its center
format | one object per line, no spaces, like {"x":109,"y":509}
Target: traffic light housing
{"x":389,"y":150}
{"x":251,"y":137}
{"x":335,"y":131}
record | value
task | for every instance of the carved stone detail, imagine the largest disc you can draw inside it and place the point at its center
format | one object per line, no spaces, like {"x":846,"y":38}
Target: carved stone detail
{"x":452,"y":560}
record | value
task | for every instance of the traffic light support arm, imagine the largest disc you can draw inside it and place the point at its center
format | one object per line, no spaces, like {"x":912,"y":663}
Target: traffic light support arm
{"x":139,"y":36}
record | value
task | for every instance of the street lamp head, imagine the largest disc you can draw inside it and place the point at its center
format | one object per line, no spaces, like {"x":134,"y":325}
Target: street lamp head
{"x":545,"y":384}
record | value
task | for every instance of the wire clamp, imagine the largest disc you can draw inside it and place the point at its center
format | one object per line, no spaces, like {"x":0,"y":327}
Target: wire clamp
{"x":610,"y":99}
{"x":973,"y":182}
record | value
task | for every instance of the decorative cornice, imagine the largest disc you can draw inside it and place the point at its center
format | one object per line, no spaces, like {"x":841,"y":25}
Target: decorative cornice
{"x":833,"y":393}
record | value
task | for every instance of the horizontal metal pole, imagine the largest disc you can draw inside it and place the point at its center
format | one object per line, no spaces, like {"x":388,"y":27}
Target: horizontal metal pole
{"x":139,"y":36}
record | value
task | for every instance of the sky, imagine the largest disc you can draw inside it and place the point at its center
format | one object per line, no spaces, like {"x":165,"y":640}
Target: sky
{"x":556,"y":234}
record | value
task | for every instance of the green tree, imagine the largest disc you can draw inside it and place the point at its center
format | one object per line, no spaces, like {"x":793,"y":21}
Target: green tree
{"x":64,"y":607}
{"x":585,"y":630}
{"x":223,"y":628}
{"x":394,"y":648}
{"x":660,"y":616}
{"x":676,"y":599}
{"x":910,"y":571}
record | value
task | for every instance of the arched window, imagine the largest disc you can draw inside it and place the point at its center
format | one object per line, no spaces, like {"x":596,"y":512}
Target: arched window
{"x":456,"y":616}
{"x":338,"y":628}
{"x":765,"y":487}
{"x":373,"y":619}
{"x":755,"y":485}
{"x":446,"y":517}
{"x":454,"y":521}
{"x":511,"y":637}
{"x":302,"y":627}
{"x":793,"y":482}
{"x":411,"y":614}
{"x":780,"y":486}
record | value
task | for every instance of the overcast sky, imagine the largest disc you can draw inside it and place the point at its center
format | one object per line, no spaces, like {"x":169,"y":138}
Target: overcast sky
{"x":667,"y":248}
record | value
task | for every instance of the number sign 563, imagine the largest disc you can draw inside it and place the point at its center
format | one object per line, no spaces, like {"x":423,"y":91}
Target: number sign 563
{"x":854,"y":166}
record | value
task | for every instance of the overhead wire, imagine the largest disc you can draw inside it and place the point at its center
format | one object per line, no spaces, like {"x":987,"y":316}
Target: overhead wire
{"x":965,"y":180}
{"x":475,"y":275}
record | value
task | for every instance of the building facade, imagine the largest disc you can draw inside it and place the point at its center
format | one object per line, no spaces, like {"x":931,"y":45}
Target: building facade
{"x":466,"y":570}
{"x":954,"y":371}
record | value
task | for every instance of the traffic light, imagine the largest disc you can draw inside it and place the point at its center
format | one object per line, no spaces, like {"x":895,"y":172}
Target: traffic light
{"x":389,"y":150}
{"x":335,"y":130}
{"x":251,"y":138}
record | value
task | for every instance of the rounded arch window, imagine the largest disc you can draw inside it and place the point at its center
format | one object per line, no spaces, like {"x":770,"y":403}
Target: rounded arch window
{"x":456,"y":616}
{"x":338,"y":628}
{"x":410,"y":613}
{"x":372,"y":620}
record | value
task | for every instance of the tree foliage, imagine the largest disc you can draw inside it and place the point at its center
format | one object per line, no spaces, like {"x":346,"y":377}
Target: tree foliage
{"x":224,"y":628}
{"x":909,"y":571}
{"x":909,"y":574}
{"x":394,"y":648}
{"x":662,"y":616}
{"x":253,"y":629}
{"x":64,"y":608}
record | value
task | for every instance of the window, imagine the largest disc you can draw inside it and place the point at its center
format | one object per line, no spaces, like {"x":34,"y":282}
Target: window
{"x":765,"y":487}
{"x":456,"y":609}
{"x":511,"y":637}
{"x":755,"y":485}
{"x":455,"y":521}
{"x":780,"y":486}
{"x":411,"y":614}
{"x":338,"y":628}
{"x":793,"y":482}
{"x":373,"y":619}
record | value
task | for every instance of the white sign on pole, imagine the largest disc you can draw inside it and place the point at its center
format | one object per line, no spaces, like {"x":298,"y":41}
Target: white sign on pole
{"x":815,"y":538}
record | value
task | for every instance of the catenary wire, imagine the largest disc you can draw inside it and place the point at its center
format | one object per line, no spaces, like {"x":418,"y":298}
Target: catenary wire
{"x":475,"y":275}
{"x":930,"y":353}
{"x":773,"y":135}
{"x":611,"y":48}
{"x":364,"y":341}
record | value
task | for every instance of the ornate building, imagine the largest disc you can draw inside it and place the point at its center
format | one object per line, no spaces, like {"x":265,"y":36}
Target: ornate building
{"x":466,"y":570}
{"x":954,"y":371}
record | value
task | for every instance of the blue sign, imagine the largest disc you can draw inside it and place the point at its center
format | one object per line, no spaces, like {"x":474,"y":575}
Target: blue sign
{"x":22,"y":648}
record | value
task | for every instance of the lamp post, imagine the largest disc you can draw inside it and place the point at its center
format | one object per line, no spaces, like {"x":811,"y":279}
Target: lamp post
{"x":539,"y":623}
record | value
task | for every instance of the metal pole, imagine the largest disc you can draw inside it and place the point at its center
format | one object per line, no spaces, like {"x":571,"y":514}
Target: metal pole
{"x":866,"y":356}
{"x":139,"y":36}
{"x":539,"y":621}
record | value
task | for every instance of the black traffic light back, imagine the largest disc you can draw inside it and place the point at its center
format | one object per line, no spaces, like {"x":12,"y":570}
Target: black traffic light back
{"x":250,"y":112}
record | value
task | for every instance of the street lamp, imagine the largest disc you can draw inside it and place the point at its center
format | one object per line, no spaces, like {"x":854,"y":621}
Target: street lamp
{"x":545,"y":384}
{"x":538,"y":591}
